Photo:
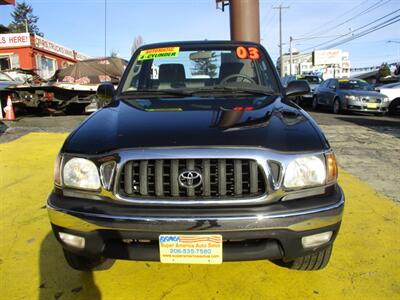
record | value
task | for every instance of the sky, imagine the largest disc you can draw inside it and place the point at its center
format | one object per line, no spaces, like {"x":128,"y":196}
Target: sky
{"x":80,"y":25}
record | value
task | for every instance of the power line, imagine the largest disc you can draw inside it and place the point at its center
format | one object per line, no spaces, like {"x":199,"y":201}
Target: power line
{"x":352,"y":32}
{"x":368,"y":10}
{"x":368,"y":31}
{"x":336,"y":18}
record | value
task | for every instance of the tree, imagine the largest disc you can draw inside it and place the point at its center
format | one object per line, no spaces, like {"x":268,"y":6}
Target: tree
{"x":137,"y":42}
{"x":114,"y":53}
{"x":384,"y":71}
{"x":205,"y":66}
{"x":22,"y":16}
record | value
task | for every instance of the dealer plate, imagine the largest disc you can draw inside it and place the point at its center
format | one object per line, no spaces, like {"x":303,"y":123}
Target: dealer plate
{"x":372,"y":105}
{"x":191,"y":249}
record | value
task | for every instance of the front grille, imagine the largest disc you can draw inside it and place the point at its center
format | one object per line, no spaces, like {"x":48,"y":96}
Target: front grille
{"x":371,"y":100}
{"x":221,"y":178}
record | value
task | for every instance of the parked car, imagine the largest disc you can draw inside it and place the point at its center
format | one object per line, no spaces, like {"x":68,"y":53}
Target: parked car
{"x":181,"y":168}
{"x":354,"y":95}
{"x":312,"y":80}
{"x":392,"y":91}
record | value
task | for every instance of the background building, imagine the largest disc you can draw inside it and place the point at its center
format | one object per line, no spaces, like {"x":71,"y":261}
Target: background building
{"x":326,"y":63}
{"x":25,"y":51}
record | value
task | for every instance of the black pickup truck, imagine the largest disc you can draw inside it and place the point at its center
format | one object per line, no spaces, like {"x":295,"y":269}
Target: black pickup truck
{"x":200,"y":156}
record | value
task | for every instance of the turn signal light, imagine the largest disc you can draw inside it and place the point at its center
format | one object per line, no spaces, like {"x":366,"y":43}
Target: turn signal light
{"x":331,"y":167}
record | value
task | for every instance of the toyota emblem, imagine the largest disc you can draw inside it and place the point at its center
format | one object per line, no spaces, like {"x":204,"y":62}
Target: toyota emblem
{"x":190,"y":179}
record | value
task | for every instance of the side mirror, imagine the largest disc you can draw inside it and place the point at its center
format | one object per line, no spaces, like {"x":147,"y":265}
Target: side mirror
{"x":105,"y":94}
{"x":297,"y":88}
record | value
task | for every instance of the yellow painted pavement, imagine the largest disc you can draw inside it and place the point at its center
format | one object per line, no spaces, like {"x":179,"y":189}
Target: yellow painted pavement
{"x":365,"y":262}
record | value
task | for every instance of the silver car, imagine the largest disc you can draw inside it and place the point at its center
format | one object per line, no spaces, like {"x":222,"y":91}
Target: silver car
{"x":350,"y":95}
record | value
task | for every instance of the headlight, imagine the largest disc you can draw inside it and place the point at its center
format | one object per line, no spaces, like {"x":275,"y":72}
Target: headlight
{"x":81,"y":173}
{"x":385,"y":99}
{"x":350,"y":97}
{"x":305,"y":171}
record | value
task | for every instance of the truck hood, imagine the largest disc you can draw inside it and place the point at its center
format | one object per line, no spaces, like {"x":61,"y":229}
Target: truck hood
{"x":266,"y":121}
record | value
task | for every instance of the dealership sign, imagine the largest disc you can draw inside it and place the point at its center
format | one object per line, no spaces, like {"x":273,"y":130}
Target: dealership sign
{"x":327,"y":57}
{"x":50,"y":46}
{"x":14,"y":40}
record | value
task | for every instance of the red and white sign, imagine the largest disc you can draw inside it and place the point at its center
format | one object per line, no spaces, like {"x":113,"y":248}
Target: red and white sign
{"x":14,"y":40}
{"x":50,"y":46}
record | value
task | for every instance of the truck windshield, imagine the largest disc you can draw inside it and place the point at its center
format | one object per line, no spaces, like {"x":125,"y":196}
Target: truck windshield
{"x":177,"y":68}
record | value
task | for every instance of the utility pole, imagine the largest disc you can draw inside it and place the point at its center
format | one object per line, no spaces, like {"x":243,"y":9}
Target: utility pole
{"x":244,"y":19}
{"x":291,"y":54}
{"x":280,"y":7}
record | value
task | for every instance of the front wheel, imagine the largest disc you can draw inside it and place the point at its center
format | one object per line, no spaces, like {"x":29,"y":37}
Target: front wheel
{"x":312,"y":262}
{"x":394,"y":107}
{"x":315,"y":103}
{"x":83,"y":263}
{"x":336,"y":106}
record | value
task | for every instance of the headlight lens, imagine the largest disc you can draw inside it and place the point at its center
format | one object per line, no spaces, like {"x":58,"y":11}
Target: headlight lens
{"x":350,"y":97}
{"x":81,"y":173}
{"x":385,"y":99}
{"x":305,"y":171}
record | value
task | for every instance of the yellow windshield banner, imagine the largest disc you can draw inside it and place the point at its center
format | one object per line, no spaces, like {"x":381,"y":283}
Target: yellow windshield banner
{"x":158,"y":53}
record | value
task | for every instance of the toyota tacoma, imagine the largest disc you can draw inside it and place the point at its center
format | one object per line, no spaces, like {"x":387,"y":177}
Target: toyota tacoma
{"x":199,"y":157}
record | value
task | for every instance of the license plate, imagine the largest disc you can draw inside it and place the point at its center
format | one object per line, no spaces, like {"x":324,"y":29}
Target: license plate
{"x":191,"y":249}
{"x":372,"y":105}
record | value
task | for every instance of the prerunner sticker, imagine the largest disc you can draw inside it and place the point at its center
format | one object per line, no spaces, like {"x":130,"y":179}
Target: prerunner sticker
{"x":158,"y":53}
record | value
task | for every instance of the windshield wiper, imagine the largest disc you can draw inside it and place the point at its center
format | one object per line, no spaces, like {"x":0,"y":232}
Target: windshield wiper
{"x":235,"y":89}
{"x":147,"y":92}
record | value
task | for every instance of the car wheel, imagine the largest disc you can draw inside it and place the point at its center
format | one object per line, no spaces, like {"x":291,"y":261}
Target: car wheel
{"x":312,"y":262}
{"x":336,"y":106}
{"x":315,"y":103}
{"x":83,"y":263}
{"x":394,"y":107}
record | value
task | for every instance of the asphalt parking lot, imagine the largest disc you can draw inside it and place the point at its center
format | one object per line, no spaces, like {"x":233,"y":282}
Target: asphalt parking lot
{"x":365,"y":262}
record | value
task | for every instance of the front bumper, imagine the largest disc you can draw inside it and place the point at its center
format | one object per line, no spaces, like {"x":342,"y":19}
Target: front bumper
{"x":358,"y":106}
{"x":264,"y":232}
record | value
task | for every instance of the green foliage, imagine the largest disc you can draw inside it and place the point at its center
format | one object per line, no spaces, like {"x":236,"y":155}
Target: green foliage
{"x":23,"y":13}
{"x":206,"y":66}
{"x":113,"y":53}
{"x":384,"y":70}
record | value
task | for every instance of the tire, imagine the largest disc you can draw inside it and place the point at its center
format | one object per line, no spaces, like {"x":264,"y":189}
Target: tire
{"x":315,"y":103}
{"x":75,"y":109}
{"x":83,"y":263}
{"x":336,"y":106}
{"x":311,"y":262}
{"x":394,"y":107}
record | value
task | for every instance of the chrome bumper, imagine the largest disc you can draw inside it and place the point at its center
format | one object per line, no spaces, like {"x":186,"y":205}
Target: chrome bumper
{"x":289,"y":215}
